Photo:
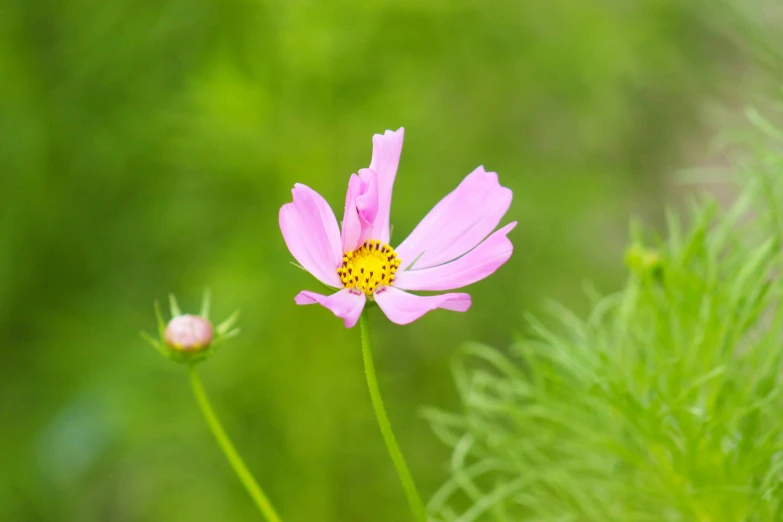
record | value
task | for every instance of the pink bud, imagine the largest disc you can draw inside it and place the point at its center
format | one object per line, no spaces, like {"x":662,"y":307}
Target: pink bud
{"x":189,"y":333}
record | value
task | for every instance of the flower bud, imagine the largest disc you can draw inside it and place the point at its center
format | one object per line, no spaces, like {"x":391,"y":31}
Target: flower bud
{"x":644,"y":261}
{"x":188,"y":338}
{"x":189,"y":333}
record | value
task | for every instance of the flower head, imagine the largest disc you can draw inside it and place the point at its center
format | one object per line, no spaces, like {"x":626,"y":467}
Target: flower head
{"x":190,"y":338}
{"x":188,"y":333}
{"x":453,"y":246}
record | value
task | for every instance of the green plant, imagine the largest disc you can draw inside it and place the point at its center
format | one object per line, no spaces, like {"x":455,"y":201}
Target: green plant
{"x":664,"y":404}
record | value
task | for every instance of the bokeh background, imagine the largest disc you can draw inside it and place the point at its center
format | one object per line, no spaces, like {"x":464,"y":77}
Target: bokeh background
{"x":146,"y":147}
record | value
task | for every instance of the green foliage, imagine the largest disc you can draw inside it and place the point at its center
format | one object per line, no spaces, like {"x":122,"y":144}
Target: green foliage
{"x":663,"y":404}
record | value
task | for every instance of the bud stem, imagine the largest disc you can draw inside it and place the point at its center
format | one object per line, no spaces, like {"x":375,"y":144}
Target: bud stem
{"x":225,"y":444}
{"x":404,"y":474}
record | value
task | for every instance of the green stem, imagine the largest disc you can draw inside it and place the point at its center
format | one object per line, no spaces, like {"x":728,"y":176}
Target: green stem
{"x":414,"y":500}
{"x":233,"y":457}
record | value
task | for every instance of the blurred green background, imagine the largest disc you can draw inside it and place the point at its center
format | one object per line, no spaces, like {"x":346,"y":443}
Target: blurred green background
{"x":146,"y":147}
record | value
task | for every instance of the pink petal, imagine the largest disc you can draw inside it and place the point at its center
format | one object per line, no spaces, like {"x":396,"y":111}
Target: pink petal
{"x":473,"y":266}
{"x":458,"y":223}
{"x":347,"y":304}
{"x":403,"y":308}
{"x":312,"y":235}
{"x":386,"y":150}
{"x":361,"y":209}
{"x":367,"y":201}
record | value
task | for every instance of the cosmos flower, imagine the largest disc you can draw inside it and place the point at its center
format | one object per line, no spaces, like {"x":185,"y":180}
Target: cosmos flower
{"x":453,"y":246}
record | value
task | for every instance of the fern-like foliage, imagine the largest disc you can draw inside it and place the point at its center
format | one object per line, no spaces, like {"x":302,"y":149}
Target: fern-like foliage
{"x":665,"y":404}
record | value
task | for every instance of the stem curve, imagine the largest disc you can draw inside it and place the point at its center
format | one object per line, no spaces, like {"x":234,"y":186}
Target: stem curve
{"x":412,"y":494}
{"x":238,"y":465}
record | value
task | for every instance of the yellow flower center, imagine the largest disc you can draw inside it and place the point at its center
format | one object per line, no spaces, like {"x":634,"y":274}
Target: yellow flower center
{"x":371,"y":265}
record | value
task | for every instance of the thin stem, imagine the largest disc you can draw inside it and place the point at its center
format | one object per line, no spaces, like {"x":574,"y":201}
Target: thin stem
{"x":414,"y":500}
{"x":225,"y":444}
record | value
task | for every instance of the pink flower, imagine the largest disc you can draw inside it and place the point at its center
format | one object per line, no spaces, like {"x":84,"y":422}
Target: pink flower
{"x":189,"y":333}
{"x":452,"y":247}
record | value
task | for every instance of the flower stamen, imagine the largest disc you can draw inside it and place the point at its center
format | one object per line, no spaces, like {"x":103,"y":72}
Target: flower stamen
{"x":371,"y":265}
